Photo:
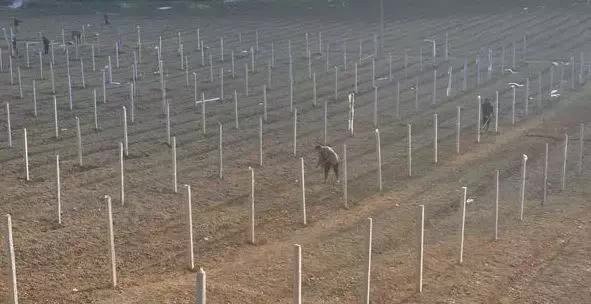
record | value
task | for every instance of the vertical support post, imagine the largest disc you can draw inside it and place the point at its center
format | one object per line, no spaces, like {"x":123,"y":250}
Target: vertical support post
{"x":203,"y":122}
{"x":125,"y":138}
{"x":434,"y":86}
{"x":221,"y":150}
{"x":303,"y":185}
{"x":497,"y":186}
{"x":95,"y":110}
{"x":458,"y":128}
{"x":251,"y":215}
{"x":545,"y":195}
{"x":79,"y":137}
{"x":236,"y":110}
{"x":314,"y":92}
{"x":55,"y":121}
{"x":325,"y":121}
{"x":246,"y":78}
{"x":121,"y":174}
{"x":297,"y":275}
{"x":463,"y":222}
{"x":34,"y":98}
{"x":265,"y":102}
{"x":526,"y":99}
{"x":421,"y":247}
{"x":409,"y":126}
{"x":479,"y":119}
{"x":295,"y":131}
{"x":523,"y":178}
{"x":513,"y":108}
{"x":435,"y":139}
{"x":10,"y":249}
{"x":497,"y":112}
{"x":336,"y":83}
{"x":201,"y":287}
{"x":367,"y":284}
{"x":20,"y":83}
{"x":565,"y":157}
{"x":168,"y":129}
{"x":104,"y":87}
{"x":379,"y":159}
{"x":260,"y":141}
{"x":174,"y":171}
{"x":8,"y":126}
{"x":190,"y":222}
{"x":375,"y":107}
{"x":345,"y":178}
{"x":398,"y":99}
{"x":581,"y":146}
{"x":356,"y":79}
{"x":26,"y":146}
{"x":111,"y":242}
{"x":59,"y":189}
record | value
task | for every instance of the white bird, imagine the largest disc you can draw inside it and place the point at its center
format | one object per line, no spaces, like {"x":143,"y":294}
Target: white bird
{"x":509,"y":70}
{"x":515,"y":84}
{"x":163,"y":8}
{"x":554,"y":93}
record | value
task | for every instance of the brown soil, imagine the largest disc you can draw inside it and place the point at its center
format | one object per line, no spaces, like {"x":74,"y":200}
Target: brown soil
{"x":543,"y":259}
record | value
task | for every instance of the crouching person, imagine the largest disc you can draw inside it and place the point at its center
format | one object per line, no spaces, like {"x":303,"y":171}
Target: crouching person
{"x":328,"y":158}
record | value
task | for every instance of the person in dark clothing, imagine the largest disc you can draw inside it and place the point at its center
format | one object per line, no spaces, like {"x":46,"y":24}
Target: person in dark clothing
{"x":328,"y":158}
{"x":16,"y":22}
{"x":487,"y":114}
{"x":45,"y":45}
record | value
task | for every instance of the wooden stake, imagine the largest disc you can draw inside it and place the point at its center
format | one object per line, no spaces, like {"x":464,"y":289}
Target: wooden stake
{"x":203,"y":122}
{"x":11,"y":257}
{"x":190,"y":222}
{"x":251,"y":215}
{"x":379,"y":159}
{"x":463,"y":222}
{"x":131,"y":102}
{"x":40,"y":64}
{"x":26,"y":146}
{"x":174,"y":171}
{"x":367,"y":284}
{"x":52,"y":78}
{"x":59,"y":189}
{"x":303,"y":185}
{"x":523,"y":177}
{"x":82,"y":74}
